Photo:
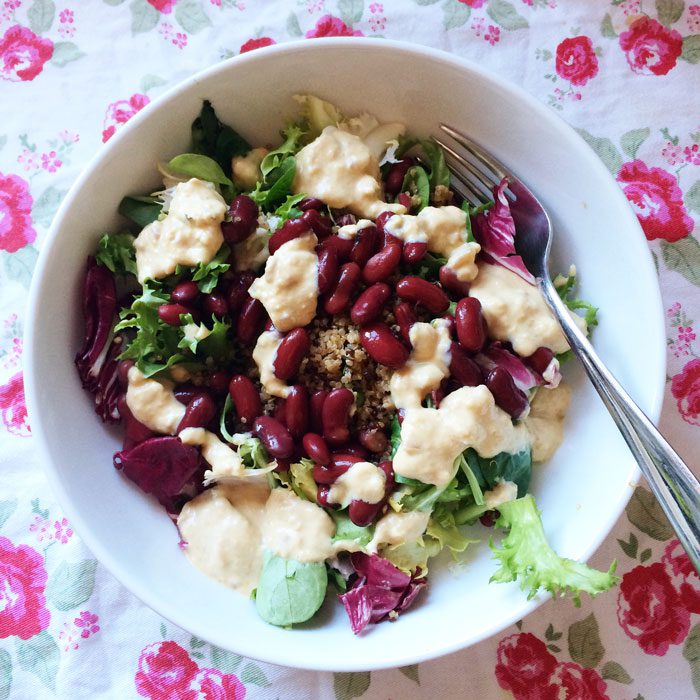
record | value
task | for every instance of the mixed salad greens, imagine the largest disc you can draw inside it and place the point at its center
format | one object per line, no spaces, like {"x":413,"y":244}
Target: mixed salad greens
{"x":125,"y":326}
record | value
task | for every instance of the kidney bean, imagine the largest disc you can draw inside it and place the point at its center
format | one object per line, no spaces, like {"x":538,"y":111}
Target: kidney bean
{"x":291,"y":351}
{"x":297,"y":411}
{"x":354,"y":448}
{"x":419,"y":291}
{"x":342,"y":247}
{"x":198,"y":413}
{"x":463,"y":368}
{"x":365,"y":245}
{"x":186,"y":392}
{"x":246,"y":398}
{"x":540,"y":360}
{"x":382,"y":264}
{"x":251,"y":321}
{"x":322,"y":492}
{"x":488,"y":519}
{"x":506,"y":394}
{"x":318,"y":398}
{"x":134,"y":431}
{"x":405,"y":200}
{"x":414,"y":252}
{"x":274,"y":436}
{"x":170,"y":313}
{"x":374,"y":439}
{"x":327,"y":268}
{"x":185,"y":292}
{"x":123,"y":372}
{"x":368,"y":306}
{"x":363,"y":514}
{"x":279,"y":412}
{"x":339,"y":464}
{"x":282,"y":465}
{"x":238,"y":291}
{"x":335,"y":415}
{"x":387,"y":466}
{"x":381,"y":220}
{"x":215,"y":303}
{"x":448,"y":279}
{"x":244,"y":219}
{"x":291,"y":229}
{"x":382,"y":345}
{"x":310,"y":203}
{"x":316,"y":449}
{"x":339,"y":298}
{"x":218,"y":382}
{"x":321,"y":225}
{"x":405,"y":317}
{"x":395,"y":177}
{"x":471,"y":326}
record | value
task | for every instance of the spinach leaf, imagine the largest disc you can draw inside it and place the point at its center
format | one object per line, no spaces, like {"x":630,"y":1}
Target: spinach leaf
{"x":503,"y":467}
{"x":473,"y":481}
{"x":199,"y":166}
{"x":429,"y":267}
{"x":395,"y":439}
{"x":280,"y":183}
{"x":115,"y":251}
{"x":417,"y":184}
{"x":141,"y":210}
{"x":212,"y":138}
{"x":289,"y":591}
{"x":439,"y":174}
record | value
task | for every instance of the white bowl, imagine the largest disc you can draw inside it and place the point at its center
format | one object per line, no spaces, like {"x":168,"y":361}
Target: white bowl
{"x":581,"y":491}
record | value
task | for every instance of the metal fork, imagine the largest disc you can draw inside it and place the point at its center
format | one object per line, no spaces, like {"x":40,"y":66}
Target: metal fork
{"x":476,"y":173}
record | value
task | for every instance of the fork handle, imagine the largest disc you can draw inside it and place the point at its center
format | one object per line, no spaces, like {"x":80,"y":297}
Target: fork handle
{"x":673,"y":484}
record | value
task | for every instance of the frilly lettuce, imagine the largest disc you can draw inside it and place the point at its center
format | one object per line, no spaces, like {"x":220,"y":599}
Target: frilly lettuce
{"x":526,"y":555}
{"x":301,"y":479}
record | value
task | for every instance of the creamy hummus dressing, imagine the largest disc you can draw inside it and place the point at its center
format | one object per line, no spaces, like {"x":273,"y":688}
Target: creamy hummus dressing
{"x":349,"y":231}
{"x":296,"y":529}
{"x":264,"y":355}
{"x":194,"y":331}
{"x":339,"y":168}
{"x":246,"y":169}
{"x":190,"y":234}
{"x":426,"y":367}
{"x":432,"y":439}
{"x":502,"y":492}
{"x":223,"y":460}
{"x":444,"y":230}
{"x":222,"y":529}
{"x":364,"y":481}
{"x":153,"y":403}
{"x":397,"y":528}
{"x":545,"y":423}
{"x":289,"y":288}
{"x":516,"y":312}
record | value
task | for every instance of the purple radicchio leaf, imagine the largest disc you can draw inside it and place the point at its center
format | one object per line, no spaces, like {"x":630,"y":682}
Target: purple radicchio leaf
{"x":379,"y":591}
{"x":495,"y":233}
{"x":163,"y":467}
{"x":495,"y":355}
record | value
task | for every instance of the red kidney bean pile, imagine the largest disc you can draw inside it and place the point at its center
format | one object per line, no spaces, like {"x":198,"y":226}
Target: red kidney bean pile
{"x":377,"y":281}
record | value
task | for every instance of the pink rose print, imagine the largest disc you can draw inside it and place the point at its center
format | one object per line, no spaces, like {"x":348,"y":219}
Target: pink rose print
{"x":685,"y":388}
{"x":22,"y":603}
{"x":23,"y":54}
{"x":473,"y":3}
{"x":328,"y":25}
{"x":651,"y":48}
{"x":86,"y":622}
{"x":573,"y":681}
{"x":13,"y":410}
{"x":524,"y":666}
{"x":166,"y":672}
{"x":256,"y":43}
{"x":16,"y":228}
{"x":120,"y":112}
{"x":650,"y":610}
{"x":164,"y":6}
{"x":657,"y":201}
{"x":211,"y":684}
{"x":576,"y":60}
{"x":683,"y":575}
{"x":62,"y":530}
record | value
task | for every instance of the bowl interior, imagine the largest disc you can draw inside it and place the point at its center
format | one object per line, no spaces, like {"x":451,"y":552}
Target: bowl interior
{"x":581,"y":491}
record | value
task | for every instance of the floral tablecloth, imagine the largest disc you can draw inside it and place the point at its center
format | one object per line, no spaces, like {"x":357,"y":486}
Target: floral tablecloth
{"x":623,"y":72}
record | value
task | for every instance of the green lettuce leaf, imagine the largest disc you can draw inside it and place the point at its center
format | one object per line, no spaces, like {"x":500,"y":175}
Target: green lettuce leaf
{"x":116,"y":252}
{"x":566,"y":288}
{"x":279,"y":185}
{"x":395,"y":439}
{"x":301,"y":479}
{"x":206,"y":275}
{"x":200,"y":166}
{"x":416,"y":183}
{"x":288,"y":209}
{"x":345,"y":529}
{"x":292,"y":143}
{"x":526,"y":555}
{"x":253,"y":453}
{"x":289,"y":591}
{"x":446,"y":532}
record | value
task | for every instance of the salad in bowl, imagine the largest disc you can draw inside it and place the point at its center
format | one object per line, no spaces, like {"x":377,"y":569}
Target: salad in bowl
{"x":327,"y":366}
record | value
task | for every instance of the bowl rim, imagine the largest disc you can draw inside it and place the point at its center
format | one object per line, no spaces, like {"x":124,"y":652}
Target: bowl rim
{"x":102,"y":551}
